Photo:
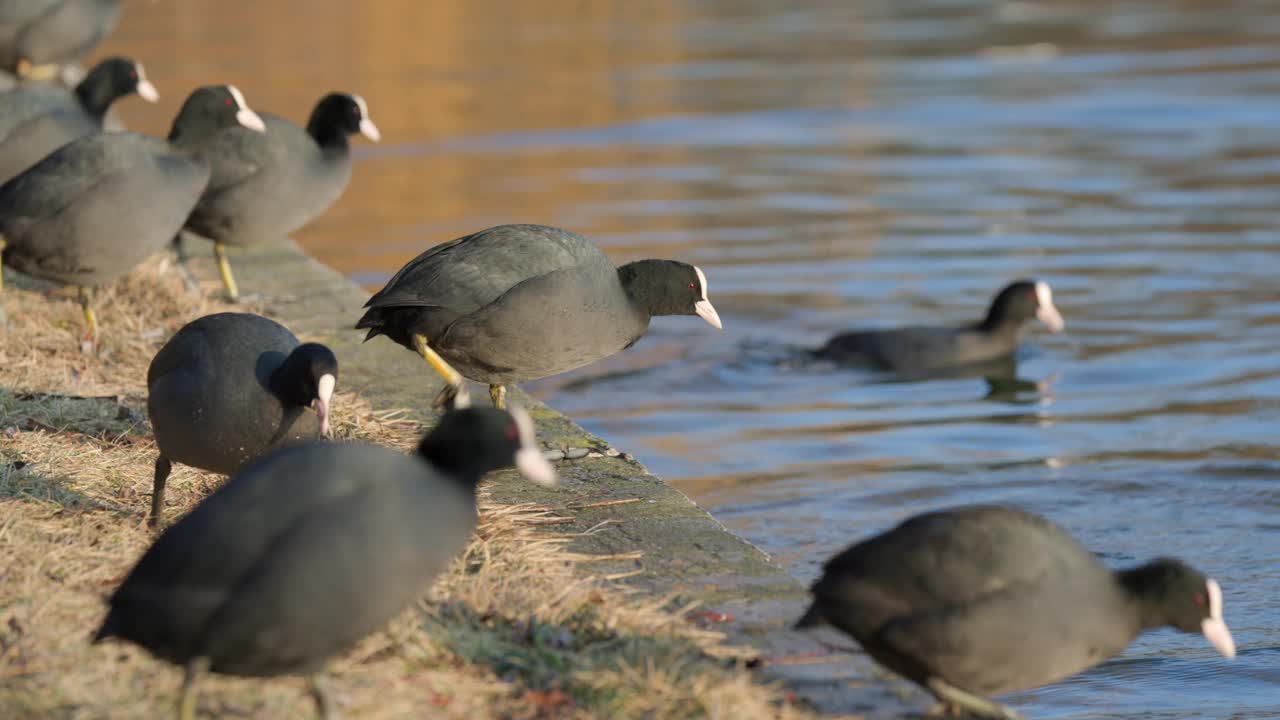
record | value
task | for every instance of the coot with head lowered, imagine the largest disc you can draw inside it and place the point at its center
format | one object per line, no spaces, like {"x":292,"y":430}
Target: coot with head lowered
{"x":520,"y":302}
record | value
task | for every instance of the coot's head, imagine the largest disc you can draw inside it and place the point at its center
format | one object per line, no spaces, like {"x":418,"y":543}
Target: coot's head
{"x":668,"y":287}
{"x":338,"y":115}
{"x":212,"y":108}
{"x":1172,"y":593}
{"x":471,"y":441}
{"x":1021,"y":301}
{"x":111,"y":80}
{"x":307,"y":378}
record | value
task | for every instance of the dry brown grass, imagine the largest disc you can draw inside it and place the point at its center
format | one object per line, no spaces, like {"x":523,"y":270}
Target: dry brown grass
{"x":517,"y":629}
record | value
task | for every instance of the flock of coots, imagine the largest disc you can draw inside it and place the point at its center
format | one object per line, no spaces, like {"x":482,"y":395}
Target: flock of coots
{"x":310,"y":545}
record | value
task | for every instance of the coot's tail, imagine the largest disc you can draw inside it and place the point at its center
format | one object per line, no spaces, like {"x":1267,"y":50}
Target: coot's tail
{"x":374,"y":320}
{"x":812,"y":618}
{"x":107,"y":630}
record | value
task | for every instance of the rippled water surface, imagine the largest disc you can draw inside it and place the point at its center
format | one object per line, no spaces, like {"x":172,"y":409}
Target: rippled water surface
{"x":843,"y":164}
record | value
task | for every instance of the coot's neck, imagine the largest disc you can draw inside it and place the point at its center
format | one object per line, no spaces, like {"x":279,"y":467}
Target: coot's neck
{"x":642,"y":280}
{"x":1143,"y":592}
{"x":328,"y":134}
{"x":465,"y":468}
{"x":1000,"y":325}
{"x":95,"y":96}
{"x":290,"y":384}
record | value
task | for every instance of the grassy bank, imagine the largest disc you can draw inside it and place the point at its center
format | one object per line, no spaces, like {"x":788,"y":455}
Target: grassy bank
{"x":520,"y":627}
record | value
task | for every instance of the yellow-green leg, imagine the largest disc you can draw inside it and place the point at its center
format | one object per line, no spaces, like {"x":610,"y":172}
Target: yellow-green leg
{"x":187,"y":705}
{"x":455,"y":391}
{"x":498,"y":394}
{"x":224,"y":269}
{"x":29,"y":71}
{"x":319,"y":693}
{"x":86,"y":300}
{"x":953,"y":697}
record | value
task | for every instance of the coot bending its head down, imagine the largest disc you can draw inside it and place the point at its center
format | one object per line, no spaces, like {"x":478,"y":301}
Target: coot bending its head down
{"x":228,"y":387}
{"x":915,"y":349}
{"x":982,"y":600}
{"x":520,"y":302}
{"x":313,"y":547}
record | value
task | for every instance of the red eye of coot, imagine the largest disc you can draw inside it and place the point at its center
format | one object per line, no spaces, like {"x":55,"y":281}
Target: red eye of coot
{"x":227,"y":101}
{"x":1199,"y":598}
{"x":513,"y":433}
{"x":692,"y":286}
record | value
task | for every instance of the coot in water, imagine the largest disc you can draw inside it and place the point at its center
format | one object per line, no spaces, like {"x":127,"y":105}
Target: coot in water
{"x":916,"y":349}
{"x":520,"y":302}
{"x":982,"y":600}
{"x":267,"y":185}
{"x":38,"y":118}
{"x":98,"y":206}
{"x":228,"y":387}
{"x":311,"y":548}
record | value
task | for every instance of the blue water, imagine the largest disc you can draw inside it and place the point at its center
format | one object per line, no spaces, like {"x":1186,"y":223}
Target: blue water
{"x":880,"y":163}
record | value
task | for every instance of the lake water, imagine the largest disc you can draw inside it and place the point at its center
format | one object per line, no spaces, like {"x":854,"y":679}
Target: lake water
{"x":841,"y":164}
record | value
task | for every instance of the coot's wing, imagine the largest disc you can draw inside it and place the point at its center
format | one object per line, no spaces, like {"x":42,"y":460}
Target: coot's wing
{"x":187,"y":574}
{"x":235,"y":154}
{"x":69,"y":172}
{"x":343,"y":571}
{"x":943,"y":560}
{"x":1015,"y":637}
{"x":472,"y":271}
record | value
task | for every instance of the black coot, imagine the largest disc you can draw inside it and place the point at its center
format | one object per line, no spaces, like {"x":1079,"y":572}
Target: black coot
{"x":100,"y":205}
{"x":266,"y":185}
{"x":38,"y":118}
{"x":521,"y":302}
{"x":313,"y":547}
{"x":38,"y":36}
{"x":916,"y":349}
{"x":227,"y":388}
{"x":981,"y":600}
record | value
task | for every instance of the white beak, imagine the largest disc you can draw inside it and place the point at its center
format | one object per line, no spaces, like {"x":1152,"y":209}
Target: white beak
{"x":324,"y":393}
{"x":244,"y":115}
{"x":708,"y":313}
{"x":1215,"y":630}
{"x":529,"y":459}
{"x":369,"y":130}
{"x":1045,"y":311}
{"x":145,"y":89}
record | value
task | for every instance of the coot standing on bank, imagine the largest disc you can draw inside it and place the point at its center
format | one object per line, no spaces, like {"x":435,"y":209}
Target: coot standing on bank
{"x":313,"y":547}
{"x":98,"y":206}
{"x":38,"y":118}
{"x":227,"y":388}
{"x":515,"y":303}
{"x":982,"y":600}
{"x":266,"y":185}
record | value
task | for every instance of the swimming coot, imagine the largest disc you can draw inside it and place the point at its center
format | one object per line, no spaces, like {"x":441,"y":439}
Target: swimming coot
{"x":915,"y":349}
{"x":98,"y":206}
{"x":520,"y":302}
{"x":37,"y":118}
{"x":266,"y":185}
{"x":311,"y":548}
{"x":228,"y":387}
{"x":981,"y":600}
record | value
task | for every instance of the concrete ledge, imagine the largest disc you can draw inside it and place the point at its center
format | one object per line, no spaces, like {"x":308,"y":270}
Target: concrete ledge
{"x":608,"y":497}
